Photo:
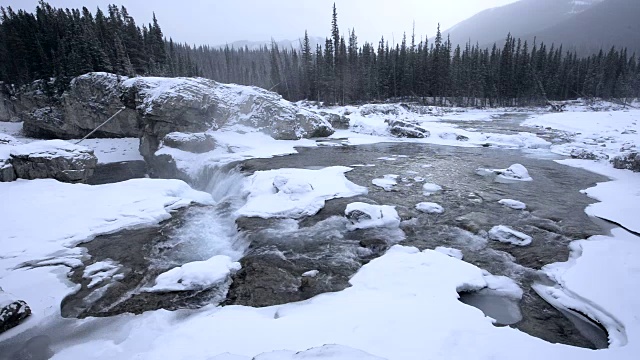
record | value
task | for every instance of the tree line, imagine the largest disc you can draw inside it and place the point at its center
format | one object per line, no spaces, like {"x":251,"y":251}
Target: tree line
{"x":56,"y":43}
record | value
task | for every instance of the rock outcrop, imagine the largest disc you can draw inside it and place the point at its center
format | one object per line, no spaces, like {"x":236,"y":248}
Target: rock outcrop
{"x":7,"y":106}
{"x":56,"y":159}
{"x":629,"y":161}
{"x":189,"y":105}
{"x":337,"y":121}
{"x":90,"y":100}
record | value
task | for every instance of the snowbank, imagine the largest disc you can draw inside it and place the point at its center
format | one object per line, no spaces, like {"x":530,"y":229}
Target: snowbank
{"x":294,"y":193}
{"x":197,"y":275}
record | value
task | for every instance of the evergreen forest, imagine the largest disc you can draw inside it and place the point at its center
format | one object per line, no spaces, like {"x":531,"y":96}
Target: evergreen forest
{"x":58,"y":44}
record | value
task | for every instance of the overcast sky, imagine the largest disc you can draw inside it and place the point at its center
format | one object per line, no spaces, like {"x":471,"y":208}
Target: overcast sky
{"x":219,"y":22}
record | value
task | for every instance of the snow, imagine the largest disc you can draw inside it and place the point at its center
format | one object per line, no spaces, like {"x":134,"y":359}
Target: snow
{"x":334,"y":352}
{"x":515,"y":172}
{"x":41,"y":217}
{"x":430,"y":208}
{"x":513,"y":204}
{"x":609,"y":133}
{"x":430,"y":188}
{"x":311,"y":273}
{"x":113,"y":150}
{"x":5,"y":299}
{"x":50,"y":149}
{"x":387,"y":182}
{"x":507,"y":235}
{"x":454,"y":253}
{"x":375,"y":216}
{"x":197,"y":275}
{"x":295,"y":193}
{"x":504,"y":286}
{"x":100,"y":271}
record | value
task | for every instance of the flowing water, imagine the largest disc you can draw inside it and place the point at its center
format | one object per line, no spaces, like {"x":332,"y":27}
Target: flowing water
{"x":553,"y":218}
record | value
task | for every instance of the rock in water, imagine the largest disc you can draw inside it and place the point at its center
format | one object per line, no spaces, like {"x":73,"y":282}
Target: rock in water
{"x":507,"y":235}
{"x":365,"y":216}
{"x":56,"y":159}
{"x":406,"y":129}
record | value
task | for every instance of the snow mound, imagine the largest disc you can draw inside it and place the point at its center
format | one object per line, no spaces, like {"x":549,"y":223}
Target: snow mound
{"x":503,"y":285}
{"x":365,"y":216}
{"x":430,"y":189}
{"x":454,"y":253}
{"x":507,"y":235}
{"x":387,"y":182}
{"x":197,"y":275}
{"x":514,"y":204}
{"x":430,"y":208}
{"x":294,"y":193}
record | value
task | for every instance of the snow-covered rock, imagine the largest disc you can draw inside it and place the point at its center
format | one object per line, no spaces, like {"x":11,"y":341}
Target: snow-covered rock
{"x":294,"y":193}
{"x":197,"y":275}
{"x":629,"y":161}
{"x":406,"y":129}
{"x":12,"y":311}
{"x":365,"y":216}
{"x":514,"y":204}
{"x":515,"y":172}
{"x":507,"y":235}
{"x":430,"y":189}
{"x":430,"y":208}
{"x":56,"y":159}
{"x":193,"y":142}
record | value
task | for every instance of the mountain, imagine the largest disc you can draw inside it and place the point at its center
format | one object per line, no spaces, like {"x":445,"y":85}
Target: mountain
{"x":584,"y":25}
{"x":282,"y":44}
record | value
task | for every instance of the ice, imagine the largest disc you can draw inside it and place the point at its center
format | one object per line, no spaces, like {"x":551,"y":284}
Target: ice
{"x":515,"y":172}
{"x":454,"y":253}
{"x":504,"y":286}
{"x":365,"y":216}
{"x":507,"y":235}
{"x":100,"y":271}
{"x":430,"y":208}
{"x":311,"y":273}
{"x":114,"y":150}
{"x":68,"y":214}
{"x":197,"y":275}
{"x":387,"y":182}
{"x":294,"y":193}
{"x":333,"y":352}
{"x":513,"y":204}
{"x":430,"y":189}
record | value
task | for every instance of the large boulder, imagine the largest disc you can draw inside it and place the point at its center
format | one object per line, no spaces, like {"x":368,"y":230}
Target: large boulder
{"x":56,"y":159}
{"x":189,"y":105}
{"x":8,"y":110}
{"x":194,"y":142}
{"x":401,"y":128}
{"x":337,"y":121}
{"x":90,"y":100}
{"x":629,"y":161}
{"x":12,"y":311}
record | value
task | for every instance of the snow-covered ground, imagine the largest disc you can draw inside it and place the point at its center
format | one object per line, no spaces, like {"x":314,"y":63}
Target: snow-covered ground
{"x":403,"y":305}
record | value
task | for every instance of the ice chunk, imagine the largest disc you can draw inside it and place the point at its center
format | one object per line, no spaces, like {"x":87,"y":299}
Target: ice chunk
{"x":100,"y":271}
{"x":454,"y":253}
{"x":311,"y":273}
{"x":197,"y":275}
{"x":430,"y":188}
{"x":387,"y":182}
{"x":515,"y":172}
{"x":364,"y":216}
{"x":514,"y":204}
{"x":507,"y":235}
{"x":430,"y":208}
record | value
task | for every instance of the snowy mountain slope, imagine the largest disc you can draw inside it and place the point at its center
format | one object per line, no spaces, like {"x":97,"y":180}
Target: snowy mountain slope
{"x":583,"y":25}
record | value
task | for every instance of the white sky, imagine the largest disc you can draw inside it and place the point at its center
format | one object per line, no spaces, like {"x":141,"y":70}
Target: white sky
{"x":219,"y":22}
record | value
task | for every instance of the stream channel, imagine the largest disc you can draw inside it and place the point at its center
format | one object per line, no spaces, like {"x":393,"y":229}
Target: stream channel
{"x":274,"y":253}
